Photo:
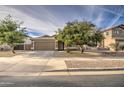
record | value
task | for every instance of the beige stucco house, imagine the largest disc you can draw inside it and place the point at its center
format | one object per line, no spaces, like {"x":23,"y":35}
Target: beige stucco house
{"x":112,"y":36}
{"x":44,"y":43}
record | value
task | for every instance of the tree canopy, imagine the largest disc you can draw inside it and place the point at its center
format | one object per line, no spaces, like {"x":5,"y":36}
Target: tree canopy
{"x":11,"y":32}
{"x":79,"y":33}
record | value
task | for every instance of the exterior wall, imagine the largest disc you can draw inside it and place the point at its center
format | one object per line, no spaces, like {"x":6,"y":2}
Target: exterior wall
{"x":108,"y":39}
{"x":121,"y":43}
{"x":24,"y":46}
{"x":19,"y":47}
{"x":56,"y":44}
{"x":27,"y":47}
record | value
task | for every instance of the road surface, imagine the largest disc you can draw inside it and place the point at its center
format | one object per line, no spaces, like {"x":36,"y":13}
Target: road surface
{"x":63,"y":81}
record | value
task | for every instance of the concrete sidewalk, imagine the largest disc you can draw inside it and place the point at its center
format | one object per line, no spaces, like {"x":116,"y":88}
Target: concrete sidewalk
{"x":40,"y":63}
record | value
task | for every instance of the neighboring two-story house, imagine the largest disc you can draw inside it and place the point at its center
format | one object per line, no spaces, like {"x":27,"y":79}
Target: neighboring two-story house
{"x":113,"y":35}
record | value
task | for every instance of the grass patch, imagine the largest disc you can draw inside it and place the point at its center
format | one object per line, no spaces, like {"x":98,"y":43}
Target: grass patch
{"x":95,"y":64}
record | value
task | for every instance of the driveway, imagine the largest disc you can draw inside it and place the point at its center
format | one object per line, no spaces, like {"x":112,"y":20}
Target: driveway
{"x":41,"y":63}
{"x":30,"y":63}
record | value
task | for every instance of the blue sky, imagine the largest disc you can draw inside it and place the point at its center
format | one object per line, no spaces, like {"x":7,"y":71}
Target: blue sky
{"x":41,"y":20}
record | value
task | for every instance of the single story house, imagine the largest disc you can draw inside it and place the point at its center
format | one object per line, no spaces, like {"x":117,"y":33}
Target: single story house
{"x":44,"y":43}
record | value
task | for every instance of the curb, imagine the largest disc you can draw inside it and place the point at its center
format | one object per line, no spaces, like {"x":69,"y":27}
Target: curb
{"x":86,"y":69}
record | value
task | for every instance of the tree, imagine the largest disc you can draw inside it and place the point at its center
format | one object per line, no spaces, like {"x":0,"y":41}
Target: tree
{"x":115,"y":46}
{"x":76,"y":33}
{"x":61,"y":36}
{"x":11,"y":32}
{"x":97,"y":37}
{"x":84,"y":32}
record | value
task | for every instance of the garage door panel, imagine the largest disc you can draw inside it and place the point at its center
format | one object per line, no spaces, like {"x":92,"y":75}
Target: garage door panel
{"x":44,"y":45}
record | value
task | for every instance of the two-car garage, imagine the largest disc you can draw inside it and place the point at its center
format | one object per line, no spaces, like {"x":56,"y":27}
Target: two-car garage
{"x":44,"y":44}
{"x":41,"y":44}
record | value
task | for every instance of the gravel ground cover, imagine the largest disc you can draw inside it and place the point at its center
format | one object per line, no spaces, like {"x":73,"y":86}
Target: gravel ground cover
{"x":95,"y":64}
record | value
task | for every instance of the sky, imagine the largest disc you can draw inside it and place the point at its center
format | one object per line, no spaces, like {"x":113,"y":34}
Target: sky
{"x":42,"y":20}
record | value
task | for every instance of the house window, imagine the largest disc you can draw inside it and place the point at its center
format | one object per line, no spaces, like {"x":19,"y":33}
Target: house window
{"x":116,"y":32}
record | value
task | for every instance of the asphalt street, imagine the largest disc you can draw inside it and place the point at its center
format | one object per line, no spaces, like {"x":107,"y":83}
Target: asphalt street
{"x":63,"y":81}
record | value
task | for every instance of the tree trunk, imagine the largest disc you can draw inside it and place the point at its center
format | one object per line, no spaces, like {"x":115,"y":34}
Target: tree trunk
{"x":82,"y":49}
{"x":96,"y":43}
{"x":68,"y":50}
{"x":13,"y":50}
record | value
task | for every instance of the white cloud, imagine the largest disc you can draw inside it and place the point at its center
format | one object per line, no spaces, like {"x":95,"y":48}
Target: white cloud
{"x":114,"y":20}
{"x":46,"y":19}
{"x":99,"y":20}
{"x":29,"y":22}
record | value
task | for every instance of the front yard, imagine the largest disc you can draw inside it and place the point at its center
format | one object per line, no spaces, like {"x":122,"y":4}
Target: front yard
{"x":95,"y":64}
{"x":77,"y":54}
{"x":89,"y":54}
{"x":8,"y":53}
{"x":58,"y":54}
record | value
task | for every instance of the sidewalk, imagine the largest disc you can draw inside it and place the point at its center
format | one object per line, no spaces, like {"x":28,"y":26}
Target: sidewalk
{"x":60,"y":67}
{"x":66,"y":64}
{"x":42,"y":63}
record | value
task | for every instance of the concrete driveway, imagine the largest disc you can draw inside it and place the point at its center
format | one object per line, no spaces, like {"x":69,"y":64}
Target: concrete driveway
{"x":42,"y":63}
{"x":31,"y":63}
